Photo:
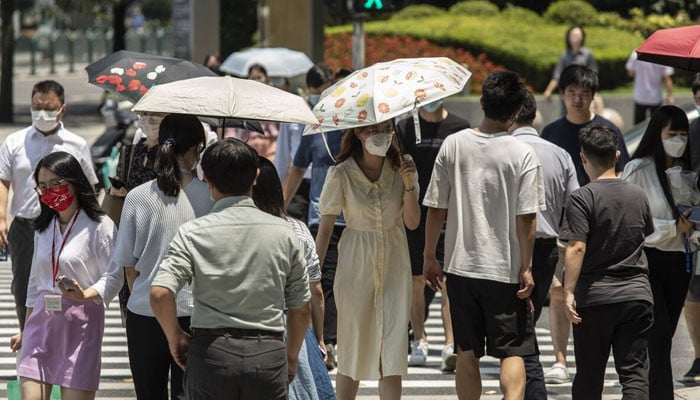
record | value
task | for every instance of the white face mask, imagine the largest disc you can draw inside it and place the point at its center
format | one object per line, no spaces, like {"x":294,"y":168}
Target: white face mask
{"x":150,"y":124}
{"x":378,"y":144}
{"x":45,"y":121}
{"x":675,"y":146}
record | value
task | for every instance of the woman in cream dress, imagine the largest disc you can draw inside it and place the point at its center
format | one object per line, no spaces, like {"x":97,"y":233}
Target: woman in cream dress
{"x":377,"y":193}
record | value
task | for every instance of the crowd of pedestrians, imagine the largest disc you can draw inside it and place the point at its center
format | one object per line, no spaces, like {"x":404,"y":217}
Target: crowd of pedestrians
{"x":250,"y":265}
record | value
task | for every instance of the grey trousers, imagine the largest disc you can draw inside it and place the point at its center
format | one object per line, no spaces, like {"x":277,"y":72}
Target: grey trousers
{"x":221,"y":367}
{"x":21,"y":238}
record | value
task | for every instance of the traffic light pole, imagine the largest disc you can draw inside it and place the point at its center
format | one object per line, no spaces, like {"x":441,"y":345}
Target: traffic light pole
{"x":358,"y":42}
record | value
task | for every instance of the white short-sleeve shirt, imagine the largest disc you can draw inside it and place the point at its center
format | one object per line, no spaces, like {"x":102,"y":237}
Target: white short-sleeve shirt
{"x":648,"y":80}
{"x":20,"y":154}
{"x":485,"y":181}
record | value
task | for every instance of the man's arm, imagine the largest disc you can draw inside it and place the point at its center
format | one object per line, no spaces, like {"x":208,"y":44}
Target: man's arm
{"x":317,"y":311}
{"x":432,"y":272}
{"x":668,"y":84}
{"x":4,"y":191}
{"x":526,"y":225}
{"x":573,"y":260}
{"x":164,"y":308}
{"x":291,"y":183}
{"x":297,"y":322}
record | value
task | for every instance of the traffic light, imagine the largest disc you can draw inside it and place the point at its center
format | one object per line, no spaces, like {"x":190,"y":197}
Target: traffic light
{"x":374,"y":6}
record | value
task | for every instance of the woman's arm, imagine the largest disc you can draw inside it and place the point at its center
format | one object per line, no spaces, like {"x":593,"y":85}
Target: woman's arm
{"x":131,"y":275}
{"x":411,"y":208}
{"x":323,"y":237}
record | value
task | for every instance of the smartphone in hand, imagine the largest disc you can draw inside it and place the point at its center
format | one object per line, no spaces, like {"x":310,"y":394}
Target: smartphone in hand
{"x":67,"y":283}
{"x":116,"y":182}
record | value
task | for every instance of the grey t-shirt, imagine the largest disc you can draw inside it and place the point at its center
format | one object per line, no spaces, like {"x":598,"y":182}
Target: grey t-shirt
{"x":612,"y":217}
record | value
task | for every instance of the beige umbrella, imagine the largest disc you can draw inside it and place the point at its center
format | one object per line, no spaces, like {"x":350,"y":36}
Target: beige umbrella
{"x":226,"y":97}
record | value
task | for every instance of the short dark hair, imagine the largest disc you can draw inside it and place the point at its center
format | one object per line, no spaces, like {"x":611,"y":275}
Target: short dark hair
{"x":230,"y":165}
{"x":49,"y":86}
{"x":67,"y":168}
{"x":342,"y":73}
{"x":695,"y":86}
{"x":503,"y":93}
{"x":599,"y":143}
{"x":267,"y":191}
{"x":568,"y":32}
{"x":259,"y":68}
{"x":177,"y":134}
{"x":578,"y":75}
{"x":318,"y":75}
{"x":529,"y":111}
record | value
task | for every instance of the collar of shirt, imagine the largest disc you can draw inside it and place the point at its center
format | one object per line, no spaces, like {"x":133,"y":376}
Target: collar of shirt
{"x":233,"y":201}
{"x":359,"y":177}
{"x":525,"y":130}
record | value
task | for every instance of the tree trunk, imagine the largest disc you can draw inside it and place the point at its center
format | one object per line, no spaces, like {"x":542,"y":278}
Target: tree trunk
{"x":118,"y":16}
{"x":7,"y":8}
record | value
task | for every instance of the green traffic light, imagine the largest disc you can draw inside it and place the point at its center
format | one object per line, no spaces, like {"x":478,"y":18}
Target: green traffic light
{"x":377,"y":4}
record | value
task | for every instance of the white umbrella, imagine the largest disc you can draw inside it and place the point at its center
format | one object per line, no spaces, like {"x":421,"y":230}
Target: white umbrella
{"x":278,"y":61}
{"x":385,"y":90}
{"x":226,"y":97}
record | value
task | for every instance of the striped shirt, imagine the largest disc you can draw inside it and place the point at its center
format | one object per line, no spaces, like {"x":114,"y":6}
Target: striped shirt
{"x":149,"y":221}
{"x":313,"y":267}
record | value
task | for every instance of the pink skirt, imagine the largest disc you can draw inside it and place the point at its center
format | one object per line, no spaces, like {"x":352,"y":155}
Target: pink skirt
{"x":63,"y":348}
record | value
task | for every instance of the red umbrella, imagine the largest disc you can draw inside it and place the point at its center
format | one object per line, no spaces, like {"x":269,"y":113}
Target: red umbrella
{"x":675,"y":47}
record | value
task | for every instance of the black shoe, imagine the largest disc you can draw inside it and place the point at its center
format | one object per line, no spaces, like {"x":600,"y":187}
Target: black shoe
{"x":693,"y":375}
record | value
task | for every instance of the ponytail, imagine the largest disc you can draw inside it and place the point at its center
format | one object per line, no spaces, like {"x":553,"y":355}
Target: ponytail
{"x":176,"y":136}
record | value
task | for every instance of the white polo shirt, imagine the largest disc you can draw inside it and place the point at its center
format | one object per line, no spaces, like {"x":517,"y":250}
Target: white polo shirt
{"x":648,"y":80}
{"x":20,"y":154}
{"x":485,"y":181}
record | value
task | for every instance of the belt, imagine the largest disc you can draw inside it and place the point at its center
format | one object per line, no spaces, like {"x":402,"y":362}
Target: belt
{"x":235,"y":333}
{"x":546,"y":241}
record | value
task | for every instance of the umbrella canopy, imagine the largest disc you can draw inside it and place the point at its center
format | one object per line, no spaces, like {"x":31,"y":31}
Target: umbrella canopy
{"x":385,"y":90}
{"x":675,"y":47}
{"x":131,"y":74}
{"x":278,"y":61}
{"x":232,"y":123}
{"x":226,"y":97}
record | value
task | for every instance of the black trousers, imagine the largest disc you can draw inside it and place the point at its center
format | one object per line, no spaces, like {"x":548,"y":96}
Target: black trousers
{"x":299,"y":205}
{"x":640,"y":111}
{"x":544,"y":261}
{"x":623,"y":326}
{"x":21,"y":238}
{"x":330,"y":315}
{"x":150,"y":359}
{"x":669,"y":284}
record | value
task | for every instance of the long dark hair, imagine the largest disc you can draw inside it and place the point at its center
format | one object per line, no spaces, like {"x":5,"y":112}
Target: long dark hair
{"x":351,"y":146}
{"x":177,"y":135}
{"x":652,"y":146}
{"x":67,"y":168}
{"x":267,"y":191}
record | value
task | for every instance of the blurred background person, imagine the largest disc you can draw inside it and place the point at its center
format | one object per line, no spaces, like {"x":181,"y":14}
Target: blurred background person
{"x":649,"y":78}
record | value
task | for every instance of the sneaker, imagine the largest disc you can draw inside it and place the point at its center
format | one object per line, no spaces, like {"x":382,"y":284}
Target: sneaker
{"x":331,"y":355}
{"x":419,"y":353}
{"x":557,"y":375}
{"x":694,"y":374}
{"x":449,"y":359}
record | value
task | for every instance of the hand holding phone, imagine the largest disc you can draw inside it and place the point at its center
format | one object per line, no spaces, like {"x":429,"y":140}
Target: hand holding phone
{"x":66,"y":283}
{"x":116,"y":182}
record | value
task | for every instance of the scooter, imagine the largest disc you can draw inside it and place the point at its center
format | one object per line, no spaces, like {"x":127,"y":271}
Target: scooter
{"x":121,"y":127}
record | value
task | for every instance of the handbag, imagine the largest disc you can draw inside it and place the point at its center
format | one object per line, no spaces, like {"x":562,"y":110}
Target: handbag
{"x":113,"y":205}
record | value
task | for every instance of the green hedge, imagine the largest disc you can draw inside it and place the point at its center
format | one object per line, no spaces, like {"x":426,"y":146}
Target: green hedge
{"x":529,"y":49}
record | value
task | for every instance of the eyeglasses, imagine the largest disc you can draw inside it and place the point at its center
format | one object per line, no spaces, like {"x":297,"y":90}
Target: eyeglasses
{"x":51,"y":186}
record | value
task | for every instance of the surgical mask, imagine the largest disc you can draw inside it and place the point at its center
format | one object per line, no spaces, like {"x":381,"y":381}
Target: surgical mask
{"x":313,"y":99}
{"x":432,"y":107}
{"x":675,"y":146}
{"x":378,"y":144}
{"x":150,"y":125}
{"x":58,"y":198}
{"x":45,"y":121}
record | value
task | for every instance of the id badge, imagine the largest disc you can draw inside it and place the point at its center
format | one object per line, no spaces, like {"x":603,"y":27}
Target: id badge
{"x":53,"y":302}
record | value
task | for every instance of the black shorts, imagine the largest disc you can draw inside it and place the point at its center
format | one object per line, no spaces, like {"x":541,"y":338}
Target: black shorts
{"x":488,"y":313}
{"x":416,"y":243}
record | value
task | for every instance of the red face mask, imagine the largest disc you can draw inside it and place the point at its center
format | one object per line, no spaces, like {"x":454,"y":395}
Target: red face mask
{"x":58,"y":198}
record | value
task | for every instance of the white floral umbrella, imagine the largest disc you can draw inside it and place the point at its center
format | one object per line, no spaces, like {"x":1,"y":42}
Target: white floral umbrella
{"x":385,"y":90}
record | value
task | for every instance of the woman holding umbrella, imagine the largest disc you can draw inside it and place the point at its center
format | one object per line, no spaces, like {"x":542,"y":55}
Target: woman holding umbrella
{"x":377,"y":192}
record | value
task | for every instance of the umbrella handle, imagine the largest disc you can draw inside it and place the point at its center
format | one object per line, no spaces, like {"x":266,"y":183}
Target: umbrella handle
{"x":416,"y":124}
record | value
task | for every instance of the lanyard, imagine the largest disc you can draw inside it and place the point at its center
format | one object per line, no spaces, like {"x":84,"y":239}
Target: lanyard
{"x":688,"y":258}
{"x":55,"y":260}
